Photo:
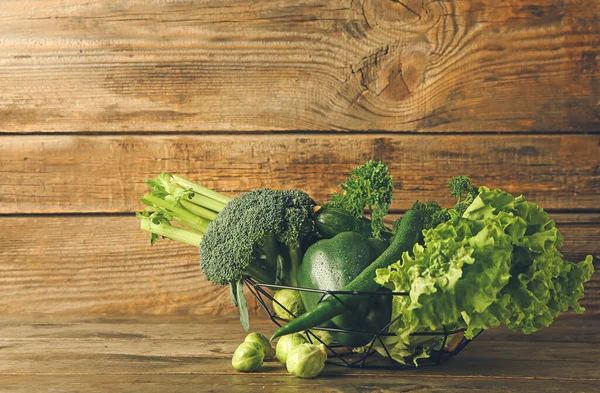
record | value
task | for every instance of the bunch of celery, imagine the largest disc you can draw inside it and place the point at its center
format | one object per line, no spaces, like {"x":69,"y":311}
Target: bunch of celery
{"x":174,"y":198}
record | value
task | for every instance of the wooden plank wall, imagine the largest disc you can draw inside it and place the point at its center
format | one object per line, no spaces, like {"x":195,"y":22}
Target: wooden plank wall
{"x":96,"y":97}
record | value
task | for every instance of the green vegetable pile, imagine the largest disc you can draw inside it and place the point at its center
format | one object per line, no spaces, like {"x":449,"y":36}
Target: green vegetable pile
{"x":492,"y":259}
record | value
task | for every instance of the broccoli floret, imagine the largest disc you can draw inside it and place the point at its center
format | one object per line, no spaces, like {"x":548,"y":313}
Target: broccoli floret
{"x":258,"y":234}
{"x":464,"y":192}
{"x":434,"y":213}
{"x":370,"y":186}
{"x":462,"y":189}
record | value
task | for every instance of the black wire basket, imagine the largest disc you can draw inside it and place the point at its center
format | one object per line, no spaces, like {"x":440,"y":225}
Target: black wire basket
{"x":444,"y":344}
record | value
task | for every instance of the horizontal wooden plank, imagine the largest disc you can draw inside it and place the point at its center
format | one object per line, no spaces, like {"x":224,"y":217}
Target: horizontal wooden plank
{"x":153,"y":65}
{"x":56,"y":174}
{"x":86,"y":353}
{"x":100,"y":265}
{"x":105,"y":265}
{"x":479,"y":359}
{"x":570,"y":328}
{"x":242,"y":383}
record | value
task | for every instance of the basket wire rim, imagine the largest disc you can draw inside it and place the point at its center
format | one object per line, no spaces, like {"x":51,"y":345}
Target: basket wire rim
{"x":258,"y":291}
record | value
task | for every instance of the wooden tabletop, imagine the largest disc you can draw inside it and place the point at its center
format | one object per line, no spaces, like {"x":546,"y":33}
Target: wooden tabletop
{"x":193,"y":354}
{"x":98,"y":96}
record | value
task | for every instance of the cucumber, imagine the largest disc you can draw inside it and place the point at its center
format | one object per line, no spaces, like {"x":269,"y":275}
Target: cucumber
{"x":331,"y":221}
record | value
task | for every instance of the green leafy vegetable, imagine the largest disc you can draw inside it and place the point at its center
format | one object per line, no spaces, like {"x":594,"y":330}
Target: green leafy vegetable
{"x":369,"y":186}
{"x":498,"y":263}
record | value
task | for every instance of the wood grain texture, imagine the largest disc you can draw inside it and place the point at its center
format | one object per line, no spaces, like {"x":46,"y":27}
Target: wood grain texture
{"x":93,"y":265}
{"x":238,"y":383}
{"x":172,"y":354}
{"x":74,"y":328}
{"x":154,"y":65}
{"x":65,"y":173}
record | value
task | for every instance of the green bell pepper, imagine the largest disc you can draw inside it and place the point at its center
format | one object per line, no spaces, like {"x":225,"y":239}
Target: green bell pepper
{"x":330,"y":264}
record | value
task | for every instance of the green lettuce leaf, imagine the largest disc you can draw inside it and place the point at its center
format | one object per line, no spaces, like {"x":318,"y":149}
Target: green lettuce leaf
{"x":496,"y":264}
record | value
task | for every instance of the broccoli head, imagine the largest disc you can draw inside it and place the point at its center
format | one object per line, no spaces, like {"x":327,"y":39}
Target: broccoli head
{"x":464,"y":192}
{"x":461,"y":188}
{"x":258,"y":234}
{"x":434,"y":213}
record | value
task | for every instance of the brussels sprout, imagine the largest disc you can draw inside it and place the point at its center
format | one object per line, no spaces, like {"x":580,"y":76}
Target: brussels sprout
{"x":291,"y":301}
{"x":322,"y":335}
{"x":263,"y":342}
{"x":306,"y":360}
{"x":248,"y":357}
{"x":285,"y":343}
